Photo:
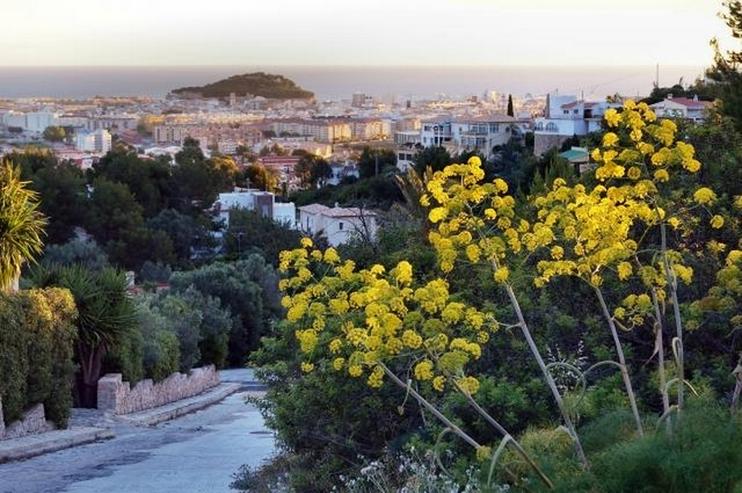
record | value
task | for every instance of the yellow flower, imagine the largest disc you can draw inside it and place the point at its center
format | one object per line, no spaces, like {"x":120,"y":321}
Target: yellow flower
{"x":355,"y":371}
{"x":557,"y":252}
{"x":424,"y":370}
{"x":338,"y":363}
{"x":307,"y":367}
{"x":439,"y":383}
{"x":412,"y":339}
{"x":438,"y":214}
{"x":717,"y":221}
{"x":483,"y":453}
{"x":473,"y":253}
{"x":612,"y":117}
{"x":674,"y":222}
{"x":624,"y":270}
{"x":634,"y":173}
{"x":704,"y":195}
{"x":661,"y":175}
{"x":502,"y":274}
{"x":306,"y":242}
{"x":610,"y":139}
{"x":331,"y":256}
{"x":404,"y":272}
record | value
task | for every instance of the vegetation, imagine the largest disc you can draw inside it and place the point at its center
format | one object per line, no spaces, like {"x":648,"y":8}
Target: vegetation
{"x":647,"y":247}
{"x":255,"y":84}
{"x":37,"y":336}
{"x":22,"y":226}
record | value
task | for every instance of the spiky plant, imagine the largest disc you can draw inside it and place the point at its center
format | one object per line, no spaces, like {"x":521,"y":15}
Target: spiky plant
{"x":21,"y":226}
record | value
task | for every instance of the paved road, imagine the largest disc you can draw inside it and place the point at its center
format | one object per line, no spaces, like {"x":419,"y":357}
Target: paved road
{"x":196,"y":453}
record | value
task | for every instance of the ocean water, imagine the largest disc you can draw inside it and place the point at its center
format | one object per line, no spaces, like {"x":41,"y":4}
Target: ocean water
{"x":342,"y":82}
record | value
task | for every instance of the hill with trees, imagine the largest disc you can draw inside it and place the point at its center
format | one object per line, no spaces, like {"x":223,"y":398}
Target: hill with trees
{"x":257,"y":84}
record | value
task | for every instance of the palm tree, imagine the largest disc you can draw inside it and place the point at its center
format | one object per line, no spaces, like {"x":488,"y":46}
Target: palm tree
{"x":21,"y":226}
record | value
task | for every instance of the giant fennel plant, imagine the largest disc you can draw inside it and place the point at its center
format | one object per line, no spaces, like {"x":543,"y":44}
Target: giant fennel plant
{"x":378,"y":324}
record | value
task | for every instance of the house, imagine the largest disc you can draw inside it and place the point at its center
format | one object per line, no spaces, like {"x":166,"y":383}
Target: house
{"x":691,"y":109}
{"x":459,"y":134}
{"x":98,"y":141}
{"x":578,"y":157}
{"x":565,"y":117}
{"x":255,"y":200}
{"x":337,"y":224}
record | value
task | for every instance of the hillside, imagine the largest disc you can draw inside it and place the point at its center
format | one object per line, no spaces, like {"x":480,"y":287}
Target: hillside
{"x":257,"y":84}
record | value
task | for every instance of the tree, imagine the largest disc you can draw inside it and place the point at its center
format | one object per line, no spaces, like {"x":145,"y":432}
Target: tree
{"x":248,"y":288}
{"x":511,"y":110}
{"x":312,"y":170}
{"x":434,"y":157}
{"x":185,"y":232}
{"x":21,"y":226}
{"x":105,"y":316}
{"x":113,"y":212}
{"x":54,"y":134}
{"x":197,"y":181}
{"x":80,"y":251}
{"x":250,"y":231}
{"x":149,"y":181}
{"x":376,"y":161}
{"x":258,"y":176}
{"x":726,"y":69}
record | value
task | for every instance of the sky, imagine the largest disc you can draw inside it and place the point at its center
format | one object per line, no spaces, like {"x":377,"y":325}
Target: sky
{"x":358,"y":32}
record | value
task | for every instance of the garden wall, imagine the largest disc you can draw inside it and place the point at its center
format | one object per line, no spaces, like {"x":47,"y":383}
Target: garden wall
{"x":33,"y":421}
{"x":118,"y":397}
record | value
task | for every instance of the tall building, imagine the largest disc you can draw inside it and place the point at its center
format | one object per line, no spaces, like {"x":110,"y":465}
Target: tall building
{"x":97,"y":142}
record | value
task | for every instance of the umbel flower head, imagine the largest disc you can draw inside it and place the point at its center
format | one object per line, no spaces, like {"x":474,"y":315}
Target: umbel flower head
{"x":353,"y":321}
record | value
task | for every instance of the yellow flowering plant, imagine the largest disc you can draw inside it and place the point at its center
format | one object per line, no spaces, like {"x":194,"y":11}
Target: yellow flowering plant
{"x":477,"y":222}
{"x":380,"y":324}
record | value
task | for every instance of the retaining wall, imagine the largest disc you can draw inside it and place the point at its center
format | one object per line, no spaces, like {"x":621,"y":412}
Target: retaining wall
{"x":33,"y":421}
{"x":118,"y":397}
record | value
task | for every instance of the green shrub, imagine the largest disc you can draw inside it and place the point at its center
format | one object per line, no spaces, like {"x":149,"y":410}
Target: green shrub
{"x":37,"y":337}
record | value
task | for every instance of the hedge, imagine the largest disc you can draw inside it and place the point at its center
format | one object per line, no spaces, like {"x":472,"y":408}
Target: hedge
{"x":37,"y":336}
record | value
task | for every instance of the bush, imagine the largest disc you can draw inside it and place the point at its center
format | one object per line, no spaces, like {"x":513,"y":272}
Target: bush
{"x":37,"y":335}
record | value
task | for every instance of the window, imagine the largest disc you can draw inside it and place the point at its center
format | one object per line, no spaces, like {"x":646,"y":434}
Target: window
{"x":566,"y":112}
{"x":340,"y":225}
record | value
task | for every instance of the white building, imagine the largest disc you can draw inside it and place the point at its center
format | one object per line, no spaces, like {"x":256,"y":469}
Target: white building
{"x":255,"y":200}
{"x":459,"y":134}
{"x":97,"y":142}
{"x":337,"y":224}
{"x":692,"y":109}
{"x":565,"y":117}
{"x":38,"y":121}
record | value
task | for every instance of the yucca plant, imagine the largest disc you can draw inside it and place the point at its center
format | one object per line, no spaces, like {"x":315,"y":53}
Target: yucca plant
{"x":105,"y":315}
{"x":21,"y":226}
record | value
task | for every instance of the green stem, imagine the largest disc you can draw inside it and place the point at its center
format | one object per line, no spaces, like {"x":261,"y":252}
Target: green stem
{"x":672,"y":282}
{"x":621,"y":361}
{"x":547,"y":376}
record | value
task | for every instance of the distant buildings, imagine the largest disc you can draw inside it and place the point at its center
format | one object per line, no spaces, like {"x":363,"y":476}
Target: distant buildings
{"x":98,"y":141}
{"x":338,"y":224}
{"x":692,"y":109}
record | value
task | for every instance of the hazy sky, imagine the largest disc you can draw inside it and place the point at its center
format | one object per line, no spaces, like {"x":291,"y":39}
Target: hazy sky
{"x":357,"y":32}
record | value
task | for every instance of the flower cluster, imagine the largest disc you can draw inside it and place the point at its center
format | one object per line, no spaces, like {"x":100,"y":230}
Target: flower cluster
{"x":356,"y":320}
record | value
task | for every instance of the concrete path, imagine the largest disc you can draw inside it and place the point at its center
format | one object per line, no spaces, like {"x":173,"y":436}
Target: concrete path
{"x":196,"y":453}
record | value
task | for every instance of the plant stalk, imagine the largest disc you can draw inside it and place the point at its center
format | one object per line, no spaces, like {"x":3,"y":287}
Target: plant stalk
{"x":672,"y":282}
{"x":547,"y":376}
{"x":622,"y":362}
{"x":660,"y":353}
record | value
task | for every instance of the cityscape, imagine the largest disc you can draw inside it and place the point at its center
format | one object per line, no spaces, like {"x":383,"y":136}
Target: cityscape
{"x":446,"y":246}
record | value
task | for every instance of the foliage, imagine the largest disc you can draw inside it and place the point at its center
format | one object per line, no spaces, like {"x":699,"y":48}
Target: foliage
{"x":247,"y":288}
{"x":725,"y":72}
{"x":258,"y":176}
{"x":250,"y":231}
{"x":379,"y":192}
{"x":22,"y":225}
{"x":627,"y":248}
{"x":54,"y":134}
{"x":435,"y":158}
{"x":81,"y":251}
{"x":312,"y":170}
{"x":105,"y":317}
{"x":37,"y":336}
{"x":376,"y":161}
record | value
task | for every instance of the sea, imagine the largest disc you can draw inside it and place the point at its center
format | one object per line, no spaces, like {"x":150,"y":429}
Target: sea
{"x":340,"y":82}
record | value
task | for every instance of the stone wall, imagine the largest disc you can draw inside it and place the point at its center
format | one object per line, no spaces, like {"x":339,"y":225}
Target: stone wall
{"x":544,"y":142}
{"x":33,"y":421}
{"x":118,"y":397}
